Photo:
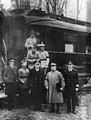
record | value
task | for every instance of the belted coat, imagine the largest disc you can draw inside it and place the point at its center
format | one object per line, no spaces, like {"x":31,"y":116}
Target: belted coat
{"x":36,"y":81}
{"x":52,"y":79}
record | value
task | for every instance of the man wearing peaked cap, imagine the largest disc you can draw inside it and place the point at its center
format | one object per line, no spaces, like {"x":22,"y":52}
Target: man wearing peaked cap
{"x":43,"y":56}
{"x":41,"y":45}
{"x":70,"y":63}
{"x":53,"y":78}
{"x":10,"y":77}
{"x":71,"y":82}
{"x":36,"y":80}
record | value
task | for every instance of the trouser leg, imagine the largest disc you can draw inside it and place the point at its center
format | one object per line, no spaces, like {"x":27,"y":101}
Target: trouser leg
{"x":68,"y":103}
{"x":73,"y":101}
{"x":24,"y":97}
{"x":58,"y":106}
{"x":52,"y":107}
{"x":64,"y":96}
{"x":10,"y":100}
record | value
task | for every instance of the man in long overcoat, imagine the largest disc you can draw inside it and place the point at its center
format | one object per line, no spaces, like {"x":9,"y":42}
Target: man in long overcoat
{"x":36,"y":81}
{"x":71,"y":84}
{"x":54,"y":97}
{"x":10,"y":77}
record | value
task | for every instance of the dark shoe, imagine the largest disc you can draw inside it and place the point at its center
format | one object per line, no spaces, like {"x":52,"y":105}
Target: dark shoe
{"x":52,"y":111}
{"x":10,"y":109}
{"x":68,"y":111}
{"x":74,"y":112}
{"x":57,"y":112}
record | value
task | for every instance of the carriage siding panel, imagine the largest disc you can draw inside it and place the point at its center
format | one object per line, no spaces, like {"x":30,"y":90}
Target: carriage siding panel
{"x":53,"y":37}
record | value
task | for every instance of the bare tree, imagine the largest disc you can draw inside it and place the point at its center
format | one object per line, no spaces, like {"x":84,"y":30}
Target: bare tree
{"x":55,"y":6}
{"x":40,"y":3}
{"x":51,"y":6}
{"x":17,"y":3}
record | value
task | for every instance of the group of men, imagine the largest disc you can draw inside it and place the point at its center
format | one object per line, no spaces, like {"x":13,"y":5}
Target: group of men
{"x":31,"y":80}
{"x":36,"y":50}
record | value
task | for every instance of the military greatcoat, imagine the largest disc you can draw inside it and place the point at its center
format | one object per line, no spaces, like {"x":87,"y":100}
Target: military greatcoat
{"x":10,"y":77}
{"x":71,"y":80}
{"x":52,"y":79}
{"x":36,"y":81}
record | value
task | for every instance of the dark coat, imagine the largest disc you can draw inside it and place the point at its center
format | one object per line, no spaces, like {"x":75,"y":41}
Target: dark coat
{"x":36,"y":82}
{"x":71,"y":80}
{"x":36,"y":78}
{"x":10,"y":77}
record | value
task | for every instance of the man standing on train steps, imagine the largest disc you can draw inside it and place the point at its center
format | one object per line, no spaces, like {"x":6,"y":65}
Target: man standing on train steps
{"x":43,"y":56}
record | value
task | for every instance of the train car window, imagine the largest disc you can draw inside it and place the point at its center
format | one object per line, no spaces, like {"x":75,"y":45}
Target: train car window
{"x":70,"y":42}
{"x":69,"y":48}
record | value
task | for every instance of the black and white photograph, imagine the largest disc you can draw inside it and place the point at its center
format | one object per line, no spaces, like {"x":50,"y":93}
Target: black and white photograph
{"x":45,"y":59}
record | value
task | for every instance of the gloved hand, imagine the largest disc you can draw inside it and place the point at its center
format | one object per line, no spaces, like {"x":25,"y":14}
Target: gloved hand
{"x":77,"y":89}
{"x":61,"y":89}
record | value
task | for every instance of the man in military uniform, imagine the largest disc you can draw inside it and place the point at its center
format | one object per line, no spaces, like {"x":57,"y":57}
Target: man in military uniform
{"x":36,"y":81}
{"x":53,"y":78}
{"x":31,"y":41}
{"x":43,"y":56}
{"x":10,"y":77}
{"x":32,"y":57}
{"x":71,"y":84}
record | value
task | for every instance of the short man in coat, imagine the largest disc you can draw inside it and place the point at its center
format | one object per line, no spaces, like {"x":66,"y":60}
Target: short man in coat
{"x":54,"y":97}
{"x":10,"y":77}
{"x":71,"y":84}
{"x":36,"y":81}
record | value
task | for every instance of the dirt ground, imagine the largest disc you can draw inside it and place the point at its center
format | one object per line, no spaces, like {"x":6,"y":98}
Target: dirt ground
{"x":83,"y":112}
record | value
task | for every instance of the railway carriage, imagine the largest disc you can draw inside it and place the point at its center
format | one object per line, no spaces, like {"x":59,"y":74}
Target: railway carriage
{"x":65,"y":39}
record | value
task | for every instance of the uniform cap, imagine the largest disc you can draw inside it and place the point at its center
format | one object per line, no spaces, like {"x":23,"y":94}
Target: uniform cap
{"x":70,"y":63}
{"x":37,"y":62}
{"x":41,"y":45}
{"x":53,"y":64}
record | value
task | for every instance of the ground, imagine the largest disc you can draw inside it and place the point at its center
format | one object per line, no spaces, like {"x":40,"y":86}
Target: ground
{"x":83,"y":111}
